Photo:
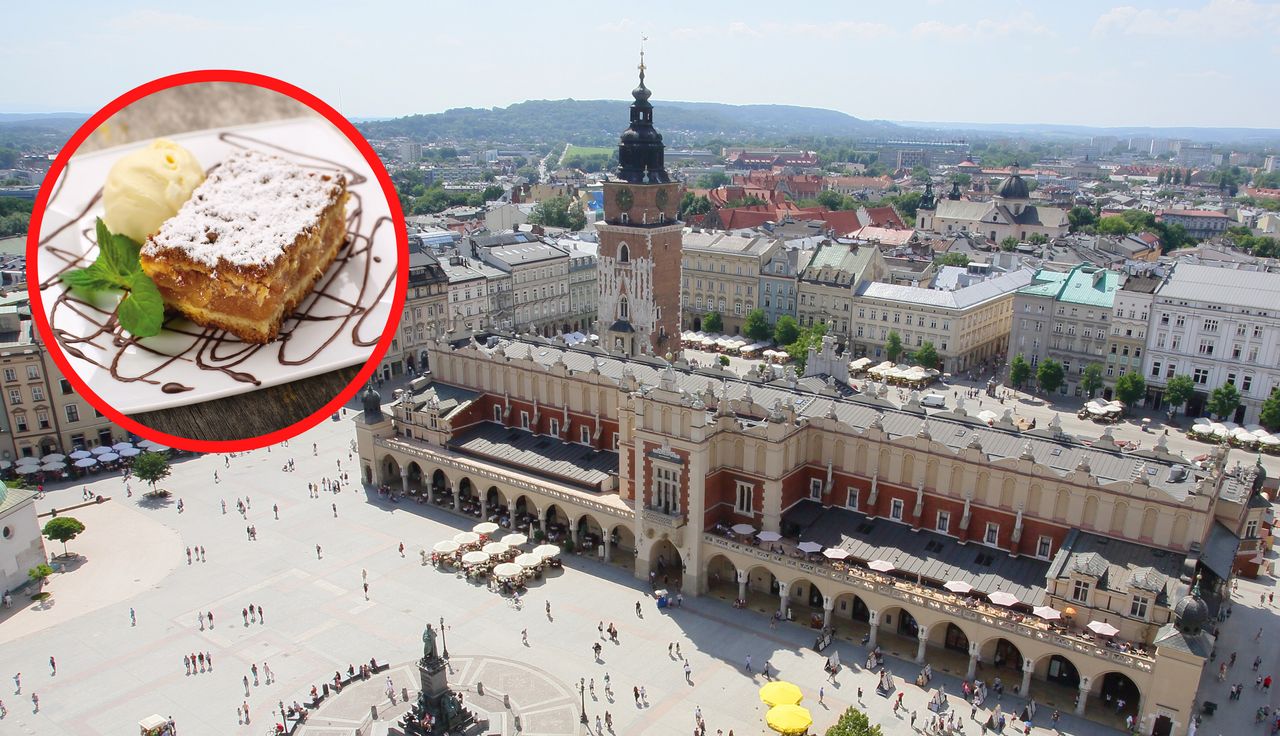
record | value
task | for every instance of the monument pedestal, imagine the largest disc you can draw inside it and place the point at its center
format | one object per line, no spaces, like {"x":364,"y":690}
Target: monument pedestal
{"x":438,"y":710}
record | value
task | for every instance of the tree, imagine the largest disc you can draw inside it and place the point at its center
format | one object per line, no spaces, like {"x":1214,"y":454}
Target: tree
{"x":713,"y":180}
{"x":39,"y":574}
{"x":1019,"y":370}
{"x":1009,"y":243}
{"x":1177,"y":176}
{"x":919,"y":174}
{"x":810,"y":337}
{"x":691,"y":205}
{"x":831,"y":199}
{"x":757,"y":326}
{"x":893,"y":348}
{"x":1178,"y":391}
{"x":1050,"y":376}
{"x":712,"y":322}
{"x":1130,"y":388}
{"x":854,"y":722}
{"x":151,"y":467}
{"x":926,"y":355}
{"x":1270,"y":416}
{"x":786,"y":331}
{"x":1080,"y":218}
{"x":559,"y":212}
{"x":962,"y":179}
{"x":62,"y":529}
{"x":953,"y":259}
{"x":1038,"y":239}
{"x":1092,"y":379}
{"x":1223,"y":401}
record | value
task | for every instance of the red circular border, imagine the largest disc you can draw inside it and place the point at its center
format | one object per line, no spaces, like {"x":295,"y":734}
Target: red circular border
{"x":275,"y":85}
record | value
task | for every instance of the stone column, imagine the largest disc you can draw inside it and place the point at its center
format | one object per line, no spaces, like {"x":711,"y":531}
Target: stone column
{"x":484,"y":507}
{"x":875,"y":628}
{"x":923,"y":636}
{"x":973,"y":661}
{"x":783,"y":588}
{"x":828,"y":606}
{"x":573,"y":535}
{"x":1084,"y":697}
{"x":1028,"y":667}
{"x":457,"y":498}
{"x":542,"y":523}
{"x":404,"y":480}
{"x":608,"y":547}
{"x":742,"y":584}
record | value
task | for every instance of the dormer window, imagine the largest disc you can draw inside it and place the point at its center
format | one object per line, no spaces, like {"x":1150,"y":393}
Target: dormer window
{"x":1080,"y":591}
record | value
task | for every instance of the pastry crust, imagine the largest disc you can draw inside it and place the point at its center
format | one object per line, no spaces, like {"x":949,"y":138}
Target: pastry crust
{"x":249,"y":245}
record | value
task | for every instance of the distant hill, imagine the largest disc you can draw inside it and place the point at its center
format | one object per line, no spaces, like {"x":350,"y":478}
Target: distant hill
{"x":598,"y":122}
{"x":1052,"y":130}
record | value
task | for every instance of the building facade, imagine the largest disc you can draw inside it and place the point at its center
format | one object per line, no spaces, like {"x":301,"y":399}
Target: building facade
{"x":583,"y":289}
{"x":827,"y":285}
{"x":1008,"y":214}
{"x":778,"y":286}
{"x":721,"y":273}
{"x":21,"y":544}
{"x":1219,"y":326}
{"x":638,"y":269}
{"x":677,"y":457}
{"x":969,"y":326}
{"x":1200,"y":224}
{"x":1128,"y":341}
{"x":1066,"y":317}
{"x":539,"y":274}
{"x":425,"y":317}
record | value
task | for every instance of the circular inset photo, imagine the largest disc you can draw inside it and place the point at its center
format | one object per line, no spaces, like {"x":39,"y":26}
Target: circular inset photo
{"x":218,"y":261}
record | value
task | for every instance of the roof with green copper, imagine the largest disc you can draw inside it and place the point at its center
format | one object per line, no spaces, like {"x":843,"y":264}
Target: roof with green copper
{"x":1085,"y":284}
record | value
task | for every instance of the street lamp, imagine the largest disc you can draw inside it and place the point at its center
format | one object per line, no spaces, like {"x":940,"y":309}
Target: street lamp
{"x":582,"y":695}
{"x":444,"y":645}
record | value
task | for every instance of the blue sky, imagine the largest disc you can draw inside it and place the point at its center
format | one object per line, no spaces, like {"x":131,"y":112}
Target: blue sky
{"x":1195,"y":62}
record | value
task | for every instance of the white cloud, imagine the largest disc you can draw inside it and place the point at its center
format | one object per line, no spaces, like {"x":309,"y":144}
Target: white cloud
{"x":1218,"y":19}
{"x":838,"y":30}
{"x":616,"y":26}
{"x":981,"y":30}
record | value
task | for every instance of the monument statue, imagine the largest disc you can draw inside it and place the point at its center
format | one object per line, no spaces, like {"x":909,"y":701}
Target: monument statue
{"x":428,"y":644}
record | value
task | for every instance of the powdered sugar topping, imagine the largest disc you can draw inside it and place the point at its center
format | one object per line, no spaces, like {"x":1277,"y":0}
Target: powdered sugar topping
{"x":248,"y":211}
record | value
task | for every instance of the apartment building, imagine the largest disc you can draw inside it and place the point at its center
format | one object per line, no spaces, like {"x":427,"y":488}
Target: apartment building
{"x":1066,"y":317}
{"x":721,"y":273}
{"x":1128,"y":340}
{"x":539,"y":284}
{"x":827,"y":285}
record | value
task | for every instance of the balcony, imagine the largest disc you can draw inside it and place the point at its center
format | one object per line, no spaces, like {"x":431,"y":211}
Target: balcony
{"x":660,"y":517}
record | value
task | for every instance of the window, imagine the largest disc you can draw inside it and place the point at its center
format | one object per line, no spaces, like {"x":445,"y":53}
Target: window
{"x":624,"y":254}
{"x":33,"y":372}
{"x":623,"y":308}
{"x":1164,"y":318}
{"x":1241,"y":330}
{"x":1246,"y":383}
{"x":524,"y":420}
{"x":37,"y":393}
{"x":1044,"y":547}
{"x":1206,"y":347}
{"x":15,"y":396}
{"x":1211,"y":325}
{"x":10,"y":374}
{"x":1257,"y":331}
{"x":1080,"y":591}
{"x":1200,"y":376}
{"x":851,"y":500}
{"x":497,"y":414}
{"x":1236,"y":351}
{"x":614,"y":442}
{"x":21,"y":421}
{"x":1251,"y":530}
{"x":555,"y":427}
{"x":1168,"y":372}
{"x":1138,"y":608}
{"x":666,"y":489}
{"x":1155,"y":369}
{"x":815,"y":488}
{"x":584,"y":434}
{"x":992,"y":534}
{"x":944,"y":522}
{"x":1180,"y":320}
{"x":42,"y":417}
{"x":895,"y":509}
{"x":745,"y":493}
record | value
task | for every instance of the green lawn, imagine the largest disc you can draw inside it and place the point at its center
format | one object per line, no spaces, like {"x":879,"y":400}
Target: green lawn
{"x":588,"y":151}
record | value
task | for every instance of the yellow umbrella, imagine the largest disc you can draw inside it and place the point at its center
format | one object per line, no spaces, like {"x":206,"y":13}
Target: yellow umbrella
{"x":788,"y":719}
{"x":780,"y":693}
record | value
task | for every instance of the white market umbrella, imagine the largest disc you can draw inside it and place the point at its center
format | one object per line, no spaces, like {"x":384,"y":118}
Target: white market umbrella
{"x":494,"y":548}
{"x":808,"y":547}
{"x":101,"y":450}
{"x":465,"y":538}
{"x":546,"y":550}
{"x":53,"y":457}
{"x":81,"y":454}
{"x":1048,"y":613}
{"x":28,"y":461}
{"x":28,"y":469}
{"x":52,"y":467}
{"x":515,"y":540}
{"x":880,"y":565}
{"x":528,"y":559}
{"x":768,"y":536}
{"x":743,"y":529}
{"x":507,"y":570}
{"x":157,"y":448}
{"x":474,"y":558}
{"x":446,"y":547}
{"x":86,"y":462}
{"x":122,"y":446}
{"x":130,"y":452}
{"x":148,"y":444}
{"x":958,"y":586}
{"x":834,"y":553}
{"x":5,"y":465}
{"x":485,"y":527}
{"x":107,"y":457}
{"x":1001,"y":598}
{"x":1102,"y":628}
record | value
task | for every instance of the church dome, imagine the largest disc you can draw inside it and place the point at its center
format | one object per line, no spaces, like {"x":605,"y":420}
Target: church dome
{"x":1013,"y":187}
{"x":1191,"y":613}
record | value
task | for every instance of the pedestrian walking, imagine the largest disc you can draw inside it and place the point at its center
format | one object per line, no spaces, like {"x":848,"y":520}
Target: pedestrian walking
{"x":245,"y":705}
{"x":600,"y":628}
{"x":246,"y":685}
{"x":266,"y":672}
{"x":53,"y":668}
{"x":599,"y":725}
{"x":261,"y":619}
{"x":208,"y":660}
{"x":364,"y":574}
{"x":202,"y":553}
{"x":638,"y":608}
{"x":317,"y":551}
{"x":188,"y":555}
{"x":275,"y":509}
{"x":524,"y":636}
{"x":35,"y":701}
{"x":366,"y":591}
{"x":211,"y":619}
{"x":200,"y":619}
{"x":548,"y":604}
{"x":186,"y":663}
{"x":244,"y":613}
{"x":133,"y":618}
{"x":635,"y":692}
{"x":822,"y":691}
{"x":335,"y":511}
{"x":254,"y":669}
{"x":224,"y":504}
{"x":688,"y":673}
{"x":748,"y":665}
{"x":608,"y":719}
{"x":200,"y":660}
{"x":644,"y":696}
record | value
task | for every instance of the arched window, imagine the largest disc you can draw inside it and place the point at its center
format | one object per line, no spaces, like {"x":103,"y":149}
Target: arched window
{"x":624,"y":254}
{"x":623,"y":310}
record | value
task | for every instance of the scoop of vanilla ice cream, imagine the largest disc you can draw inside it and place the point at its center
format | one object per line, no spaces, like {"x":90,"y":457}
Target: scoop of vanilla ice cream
{"x":147,"y":187}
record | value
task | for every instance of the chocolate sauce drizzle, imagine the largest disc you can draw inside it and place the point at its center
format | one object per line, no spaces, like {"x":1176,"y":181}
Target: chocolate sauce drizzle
{"x":106,"y":344}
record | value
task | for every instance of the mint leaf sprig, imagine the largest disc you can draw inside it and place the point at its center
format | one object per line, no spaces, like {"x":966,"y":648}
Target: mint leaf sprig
{"x":118,"y":266}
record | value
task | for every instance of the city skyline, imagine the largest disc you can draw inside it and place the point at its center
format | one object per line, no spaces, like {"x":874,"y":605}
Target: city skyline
{"x":1100,"y":64}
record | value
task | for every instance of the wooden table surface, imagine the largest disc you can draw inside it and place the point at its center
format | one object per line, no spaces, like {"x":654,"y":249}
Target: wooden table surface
{"x":198,"y":107}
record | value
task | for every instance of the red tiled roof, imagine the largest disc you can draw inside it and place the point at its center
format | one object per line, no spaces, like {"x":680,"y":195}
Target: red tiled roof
{"x":864,"y":182}
{"x":746,"y":217}
{"x":1261,"y":192}
{"x":884,"y":217}
{"x":843,"y":222}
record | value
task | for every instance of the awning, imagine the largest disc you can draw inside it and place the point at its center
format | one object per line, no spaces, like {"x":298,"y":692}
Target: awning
{"x":1220,"y":550}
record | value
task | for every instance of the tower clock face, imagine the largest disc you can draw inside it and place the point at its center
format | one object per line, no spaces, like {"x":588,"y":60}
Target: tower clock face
{"x":662,"y":199}
{"x":625,"y":198}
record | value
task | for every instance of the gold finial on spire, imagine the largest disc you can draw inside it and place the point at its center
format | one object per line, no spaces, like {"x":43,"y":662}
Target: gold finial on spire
{"x":643,"y":38}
